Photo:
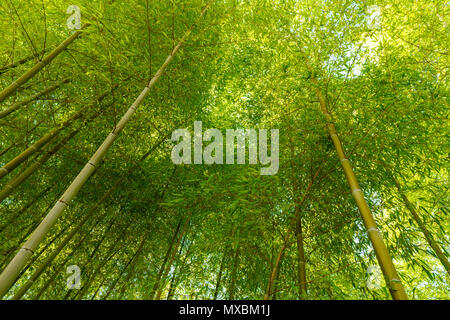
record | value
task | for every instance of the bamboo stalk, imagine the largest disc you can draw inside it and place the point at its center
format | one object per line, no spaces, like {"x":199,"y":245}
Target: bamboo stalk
{"x":38,"y":66}
{"x":160,"y":274}
{"x":219,"y":274}
{"x":10,"y":273}
{"x":302,"y":292}
{"x":11,"y":186}
{"x":18,"y":105}
{"x":427,"y":234}
{"x":77,"y":245}
{"x":232,"y":288}
{"x":42,"y":267}
{"x":25,"y":208}
{"x":173,"y":255}
{"x":14,"y":163}
{"x":384,"y":259}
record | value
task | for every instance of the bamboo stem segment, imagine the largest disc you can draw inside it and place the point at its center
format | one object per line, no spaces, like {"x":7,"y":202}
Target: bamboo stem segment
{"x":17,"y":105}
{"x":12,"y":270}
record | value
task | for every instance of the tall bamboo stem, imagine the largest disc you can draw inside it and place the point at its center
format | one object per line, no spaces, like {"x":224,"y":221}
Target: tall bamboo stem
{"x":16,"y":106}
{"x":384,"y":259}
{"x":10,"y":273}
{"x":14,"y":163}
{"x":427,"y":234}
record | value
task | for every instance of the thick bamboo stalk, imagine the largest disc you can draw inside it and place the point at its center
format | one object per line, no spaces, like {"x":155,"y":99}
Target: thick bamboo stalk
{"x":38,"y":66}
{"x":14,"y":163}
{"x":16,"y":106}
{"x":302,"y":292}
{"x":384,"y":259}
{"x":13,"y":269}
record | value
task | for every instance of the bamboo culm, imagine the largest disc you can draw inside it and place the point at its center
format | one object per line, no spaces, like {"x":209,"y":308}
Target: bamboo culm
{"x":14,"y":163}
{"x":16,"y":106}
{"x":384,"y":259}
{"x":21,"y":177}
{"x":13,"y":269}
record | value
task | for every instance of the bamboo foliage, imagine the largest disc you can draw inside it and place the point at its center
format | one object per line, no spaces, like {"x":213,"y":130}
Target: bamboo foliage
{"x":5,"y":93}
{"x":10,"y":273}
{"x":16,"y":106}
{"x":427,"y":234}
{"x":21,"y":177}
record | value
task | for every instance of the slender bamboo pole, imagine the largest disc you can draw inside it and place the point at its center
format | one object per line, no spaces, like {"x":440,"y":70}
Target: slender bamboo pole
{"x":14,"y":163}
{"x":17,"y":63}
{"x":21,"y":177}
{"x":302,"y":290}
{"x":298,"y":205}
{"x":427,"y":234}
{"x":159,"y":276}
{"x":219,"y":274}
{"x":25,"y":208}
{"x":76,"y":247}
{"x":16,"y":106}
{"x":384,"y":259}
{"x":232,"y":289}
{"x":130,"y":262}
{"x":38,"y":66}
{"x":43,"y":266}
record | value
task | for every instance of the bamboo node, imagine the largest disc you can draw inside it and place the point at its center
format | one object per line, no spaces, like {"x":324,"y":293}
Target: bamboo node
{"x":92,"y":164}
{"x":27,"y":249}
{"x":355,"y":191}
{"x":373,"y":230}
{"x":63,"y":202}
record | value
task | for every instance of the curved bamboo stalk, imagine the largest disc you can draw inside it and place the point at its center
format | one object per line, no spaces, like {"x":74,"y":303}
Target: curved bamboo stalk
{"x":13,"y":269}
{"x":16,"y":106}
{"x":384,"y":259}
{"x":38,"y":66}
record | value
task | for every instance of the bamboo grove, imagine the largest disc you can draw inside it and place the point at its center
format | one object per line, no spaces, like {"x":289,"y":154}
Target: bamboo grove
{"x":357,"y":210}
